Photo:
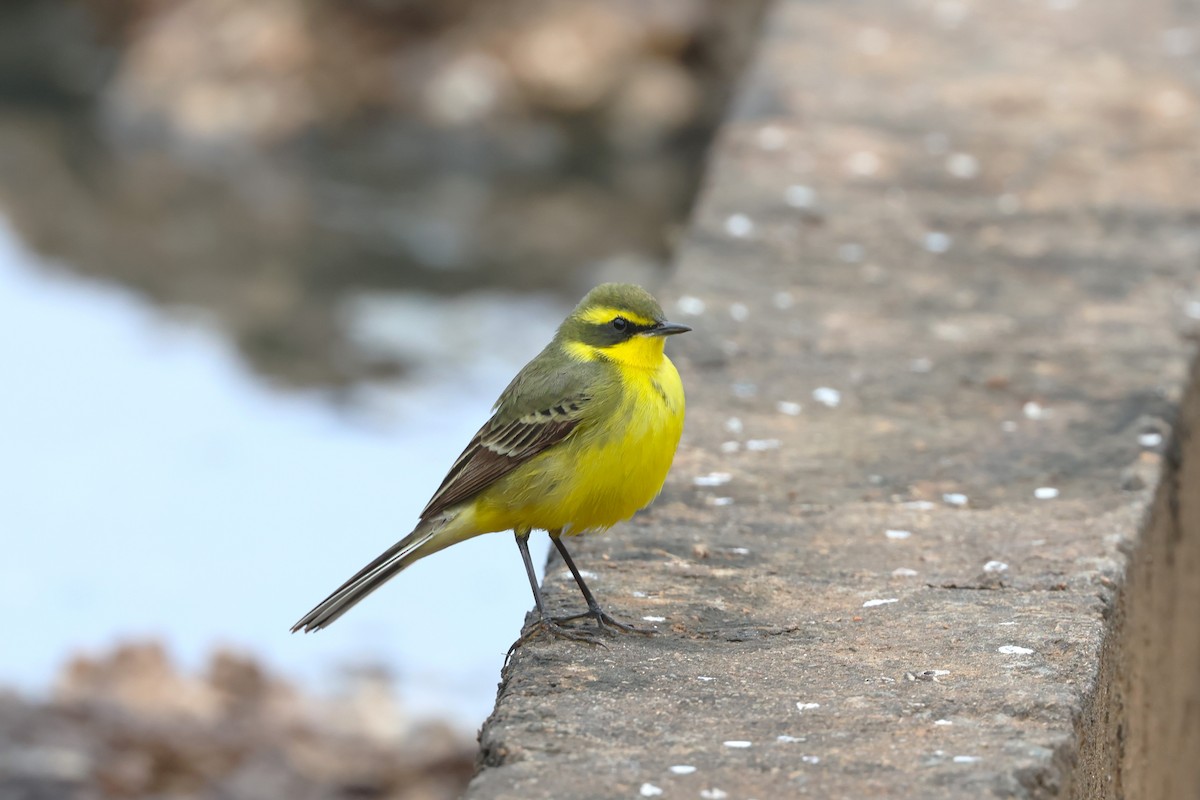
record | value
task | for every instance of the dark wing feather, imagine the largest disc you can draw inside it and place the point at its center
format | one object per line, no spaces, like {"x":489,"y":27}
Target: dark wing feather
{"x":500,"y":447}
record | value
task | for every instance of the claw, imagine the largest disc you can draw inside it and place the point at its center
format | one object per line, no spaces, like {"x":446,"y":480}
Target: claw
{"x":604,"y":621}
{"x":550,"y":627}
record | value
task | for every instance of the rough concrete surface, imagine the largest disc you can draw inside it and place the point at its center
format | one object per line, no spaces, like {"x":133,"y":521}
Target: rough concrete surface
{"x":943,"y":279}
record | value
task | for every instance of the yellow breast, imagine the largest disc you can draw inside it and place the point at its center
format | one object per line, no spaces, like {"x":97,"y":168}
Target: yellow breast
{"x":606,"y":473}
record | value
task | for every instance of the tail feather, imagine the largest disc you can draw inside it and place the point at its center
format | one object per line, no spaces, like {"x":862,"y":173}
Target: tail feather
{"x":372,"y":576}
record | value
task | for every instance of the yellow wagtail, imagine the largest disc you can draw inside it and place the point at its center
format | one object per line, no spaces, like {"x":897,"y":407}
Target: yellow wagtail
{"x":580,"y":440}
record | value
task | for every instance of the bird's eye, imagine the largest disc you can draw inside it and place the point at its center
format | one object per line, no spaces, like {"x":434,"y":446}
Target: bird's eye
{"x":620,"y":324}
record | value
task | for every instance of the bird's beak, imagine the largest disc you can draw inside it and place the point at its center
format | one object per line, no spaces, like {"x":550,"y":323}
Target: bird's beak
{"x":666,"y":329}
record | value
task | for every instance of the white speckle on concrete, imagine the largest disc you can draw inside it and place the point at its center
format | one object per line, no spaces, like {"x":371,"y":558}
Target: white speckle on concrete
{"x":758,"y":445}
{"x":771,"y":137}
{"x":937,"y":242}
{"x":566,"y":576}
{"x":783,"y":300}
{"x":1192,"y":309}
{"x":730,"y":447}
{"x":1150,"y":439}
{"x":880,"y":602}
{"x":810,"y":759}
{"x":918,"y":505}
{"x":954,"y":499}
{"x":740,"y":312}
{"x":789,"y":408}
{"x":801,"y":706}
{"x":712,"y":479}
{"x":713,"y":794}
{"x":894,"y":534}
{"x":739,"y":226}
{"x":962,"y":165}
{"x":851,"y":252}
{"x":737,"y":744}
{"x":864,"y":163}
{"x":1035,"y":410}
{"x":967,"y":759}
{"x":920,"y":365}
{"x":1014,"y":650}
{"x":733,"y":425}
{"x":649,"y":790}
{"x":692,"y":306}
{"x":720,"y":501}
{"x":800,"y":196}
{"x":995,"y":566}
{"x":654,"y":619}
{"x":904,"y":572}
{"x":705,"y":678}
{"x":639,"y":594}
{"x":1045,"y":493}
{"x":827,"y":396}
{"x":942,"y":722}
{"x":682,"y":769}
{"x":790,"y":739}
{"x":740,"y":551}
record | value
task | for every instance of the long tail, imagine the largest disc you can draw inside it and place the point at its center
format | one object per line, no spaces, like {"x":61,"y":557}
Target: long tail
{"x":428,"y":537}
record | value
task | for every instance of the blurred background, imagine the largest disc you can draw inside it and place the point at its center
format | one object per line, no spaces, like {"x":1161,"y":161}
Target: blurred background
{"x":264,"y":267}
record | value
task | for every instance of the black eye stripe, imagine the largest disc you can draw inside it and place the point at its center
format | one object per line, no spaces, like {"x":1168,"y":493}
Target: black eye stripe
{"x":627,"y":327}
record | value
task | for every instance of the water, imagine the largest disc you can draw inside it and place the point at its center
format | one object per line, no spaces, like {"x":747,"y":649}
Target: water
{"x":150,"y":487}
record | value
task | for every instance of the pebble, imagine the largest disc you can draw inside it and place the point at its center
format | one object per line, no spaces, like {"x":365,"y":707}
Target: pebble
{"x":937,"y":242}
{"x":995,"y":566}
{"x":962,"y":165}
{"x":790,"y":739}
{"x":758,"y":445}
{"x":1015,"y":650}
{"x":649,"y":790}
{"x":954,"y":499}
{"x":1034,"y":410}
{"x":739,"y":226}
{"x":692,"y":306}
{"x":800,"y":196}
{"x":682,"y":769}
{"x":802,"y":706}
{"x":789,"y":408}
{"x":966,"y":759}
{"x":881,"y":602}
{"x":904,"y":572}
{"x":654,"y":619}
{"x":1150,"y":439}
{"x":737,"y":744}
{"x":896,"y":534}
{"x":713,"y":794}
{"x":712,"y":479}
{"x":827,"y":396}
{"x":1045,"y":493}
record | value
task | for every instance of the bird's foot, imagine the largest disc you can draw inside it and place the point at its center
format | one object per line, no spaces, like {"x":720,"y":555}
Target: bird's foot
{"x":605,"y":622}
{"x":547,"y":626}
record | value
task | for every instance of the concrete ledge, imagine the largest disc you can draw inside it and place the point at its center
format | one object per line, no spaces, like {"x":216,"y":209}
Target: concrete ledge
{"x":946,"y":259}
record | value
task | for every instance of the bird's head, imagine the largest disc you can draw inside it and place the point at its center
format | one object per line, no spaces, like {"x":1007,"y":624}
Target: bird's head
{"x":618,"y":322}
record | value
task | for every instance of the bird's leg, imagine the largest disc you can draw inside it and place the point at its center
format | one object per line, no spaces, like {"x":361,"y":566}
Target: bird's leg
{"x":545,"y":623}
{"x":594,"y":610}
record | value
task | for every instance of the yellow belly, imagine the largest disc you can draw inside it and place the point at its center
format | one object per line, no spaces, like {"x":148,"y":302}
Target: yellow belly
{"x":602,"y":474}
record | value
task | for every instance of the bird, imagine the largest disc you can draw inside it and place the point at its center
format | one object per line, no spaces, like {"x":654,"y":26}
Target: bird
{"x":582,"y":438}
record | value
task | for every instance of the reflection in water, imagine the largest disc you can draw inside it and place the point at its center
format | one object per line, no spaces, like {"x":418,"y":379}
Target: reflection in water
{"x":151,"y":487}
